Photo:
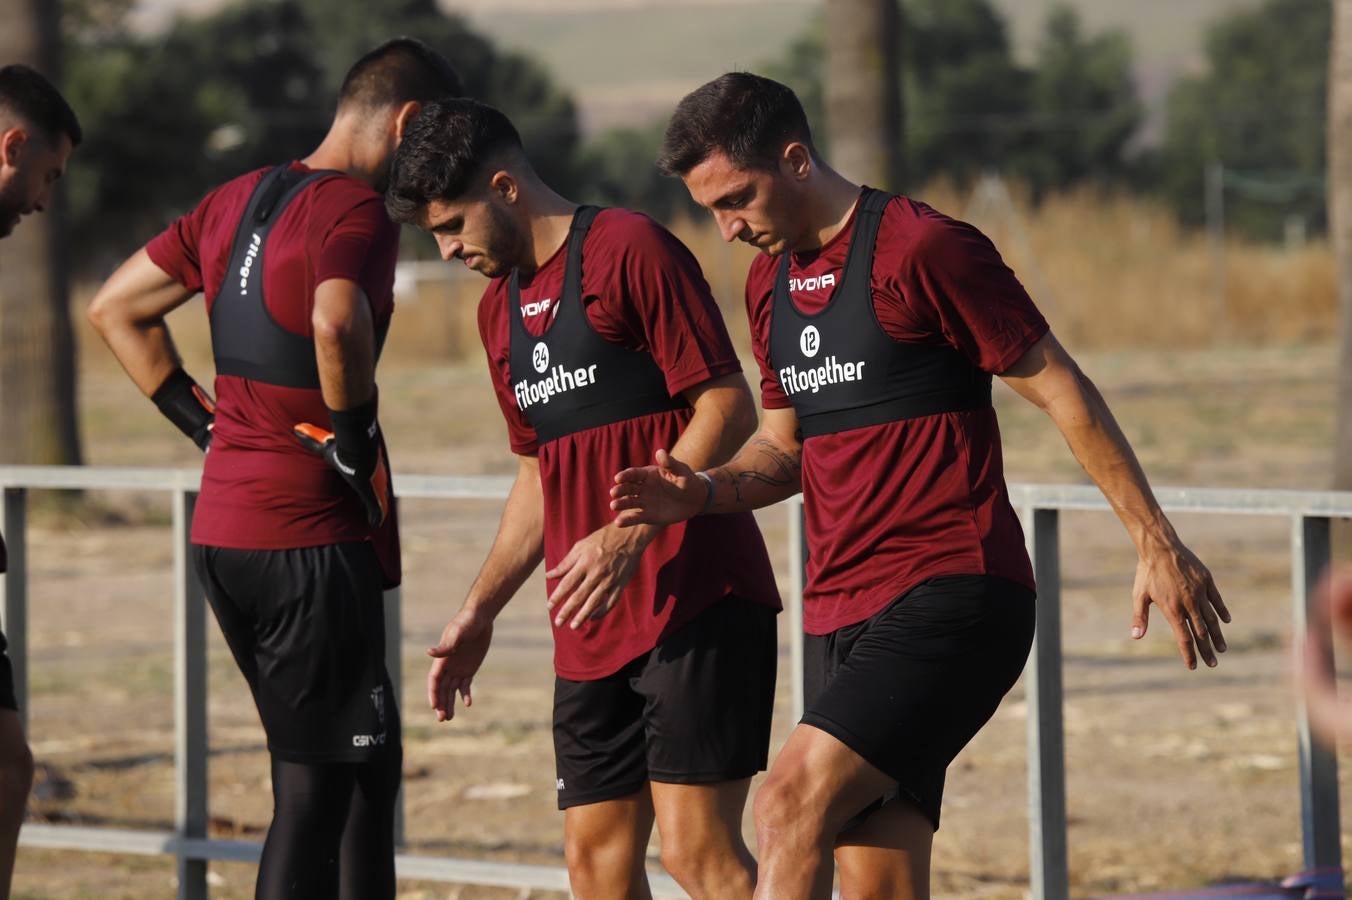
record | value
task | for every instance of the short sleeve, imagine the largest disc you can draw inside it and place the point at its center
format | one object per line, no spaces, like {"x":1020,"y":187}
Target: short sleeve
{"x":653,"y":297}
{"x":176,"y":250}
{"x":361,"y":246}
{"x":955,"y":276}
{"x":760,"y":289}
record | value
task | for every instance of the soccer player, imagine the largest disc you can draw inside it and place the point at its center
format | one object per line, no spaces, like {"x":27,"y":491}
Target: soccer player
{"x":38,"y":132}
{"x":602,"y":338}
{"x":293,"y":535}
{"x":878,"y":323}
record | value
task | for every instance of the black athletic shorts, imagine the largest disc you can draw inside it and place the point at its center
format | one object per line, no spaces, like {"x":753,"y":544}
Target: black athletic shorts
{"x":693,"y":710}
{"x":307,"y":628}
{"x":907,"y":688}
{"x":7,"y":698}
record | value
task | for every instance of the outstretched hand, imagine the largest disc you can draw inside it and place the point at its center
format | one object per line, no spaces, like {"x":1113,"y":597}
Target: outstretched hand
{"x":1175,"y":580}
{"x":663,"y":494}
{"x":455,"y":661}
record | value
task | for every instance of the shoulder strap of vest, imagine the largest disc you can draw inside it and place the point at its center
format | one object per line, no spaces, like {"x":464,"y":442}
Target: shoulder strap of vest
{"x":577,"y":236}
{"x":866,"y":220}
{"x":781,"y":294}
{"x":583,"y":217}
{"x":277,"y":188}
{"x":246,"y":340}
{"x":859,"y":259}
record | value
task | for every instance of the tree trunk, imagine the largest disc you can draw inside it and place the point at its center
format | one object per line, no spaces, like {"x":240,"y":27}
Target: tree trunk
{"x":38,"y":422}
{"x":863,"y":90}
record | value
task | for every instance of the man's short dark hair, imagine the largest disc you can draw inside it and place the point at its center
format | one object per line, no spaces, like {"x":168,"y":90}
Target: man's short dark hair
{"x":35,"y":100}
{"x":443,"y":149}
{"x":748,"y":118}
{"x":398,"y":71}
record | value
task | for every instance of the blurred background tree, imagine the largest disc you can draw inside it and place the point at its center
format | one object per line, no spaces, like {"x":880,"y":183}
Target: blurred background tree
{"x":256,"y":82}
{"x":1258,"y":111}
{"x":971,"y":107}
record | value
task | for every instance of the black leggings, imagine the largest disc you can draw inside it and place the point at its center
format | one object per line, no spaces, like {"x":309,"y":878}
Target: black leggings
{"x":332,"y":832}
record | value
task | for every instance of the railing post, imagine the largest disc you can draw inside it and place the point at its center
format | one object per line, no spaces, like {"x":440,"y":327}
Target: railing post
{"x":797,"y":578}
{"x":14,"y":591}
{"x":394,"y":663}
{"x":190,"y":703}
{"x":1048,"y":867}
{"x":1318,"y":762}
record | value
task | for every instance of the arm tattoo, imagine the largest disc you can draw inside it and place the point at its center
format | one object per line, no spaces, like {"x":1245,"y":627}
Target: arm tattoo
{"x":780,"y":468}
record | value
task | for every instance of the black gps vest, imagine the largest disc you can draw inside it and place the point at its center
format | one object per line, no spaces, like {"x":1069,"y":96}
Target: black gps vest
{"x":245,"y":339}
{"x":838,"y":367}
{"x":570,"y":378}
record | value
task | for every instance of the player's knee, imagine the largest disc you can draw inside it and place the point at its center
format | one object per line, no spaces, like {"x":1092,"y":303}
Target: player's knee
{"x":595,"y":861}
{"x":706,"y":867}
{"x":781,"y":807}
{"x":686,"y":857}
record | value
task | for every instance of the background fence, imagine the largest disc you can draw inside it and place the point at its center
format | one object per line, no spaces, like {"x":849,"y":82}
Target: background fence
{"x":1039,"y":506}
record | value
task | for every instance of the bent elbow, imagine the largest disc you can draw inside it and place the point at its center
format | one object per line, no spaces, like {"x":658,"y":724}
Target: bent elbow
{"x":330,"y":330}
{"x":743,"y":422}
{"x":101,"y":313}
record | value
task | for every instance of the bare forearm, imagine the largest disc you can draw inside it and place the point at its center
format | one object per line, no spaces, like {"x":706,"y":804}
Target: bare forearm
{"x":765,"y":472}
{"x":1097,"y":441}
{"x":517,"y":549}
{"x":344,"y":336}
{"x":346,"y":369}
{"x":146,"y":351}
{"x":128,"y":312}
{"x":724,"y":418}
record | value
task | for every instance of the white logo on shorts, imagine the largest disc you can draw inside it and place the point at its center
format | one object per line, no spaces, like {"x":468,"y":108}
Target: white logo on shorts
{"x":810,"y":341}
{"x":560,"y":784}
{"x":540,"y":357}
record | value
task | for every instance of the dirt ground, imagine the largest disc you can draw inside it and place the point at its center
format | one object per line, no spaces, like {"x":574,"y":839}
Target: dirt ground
{"x":1176,"y":778}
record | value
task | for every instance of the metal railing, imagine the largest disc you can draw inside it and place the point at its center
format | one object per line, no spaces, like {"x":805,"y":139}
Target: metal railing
{"x":1039,"y":507}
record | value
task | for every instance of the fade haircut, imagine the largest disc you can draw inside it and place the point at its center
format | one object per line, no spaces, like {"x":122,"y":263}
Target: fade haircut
{"x":25,"y":94}
{"x":444,"y":148}
{"x":748,"y":118}
{"x":396,"y":72}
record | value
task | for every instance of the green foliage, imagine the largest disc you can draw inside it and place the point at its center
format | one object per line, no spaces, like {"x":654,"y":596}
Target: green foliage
{"x":253,"y":84}
{"x":970,"y":106}
{"x":1259,"y":111}
{"x":619,"y":169}
{"x":1082,"y":97}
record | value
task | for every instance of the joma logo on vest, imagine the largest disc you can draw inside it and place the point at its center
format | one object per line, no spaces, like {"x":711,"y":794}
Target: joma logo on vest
{"x":249,"y":256}
{"x":814,"y":283}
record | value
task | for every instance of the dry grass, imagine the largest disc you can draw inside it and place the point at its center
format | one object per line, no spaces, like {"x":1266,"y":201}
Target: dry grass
{"x":1109,"y":271}
{"x":1115,"y":271}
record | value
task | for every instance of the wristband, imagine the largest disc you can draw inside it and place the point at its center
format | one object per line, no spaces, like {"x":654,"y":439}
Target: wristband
{"x":357,"y":434}
{"x":709,"y":490}
{"x":183,"y":402}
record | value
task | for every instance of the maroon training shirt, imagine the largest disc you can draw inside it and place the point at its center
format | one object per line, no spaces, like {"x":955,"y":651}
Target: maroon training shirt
{"x":890,"y":505}
{"x":262,"y":490}
{"x":643,"y":290}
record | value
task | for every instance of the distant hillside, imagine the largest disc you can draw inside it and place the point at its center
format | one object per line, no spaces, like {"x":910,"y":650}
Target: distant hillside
{"x":630,"y":60}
